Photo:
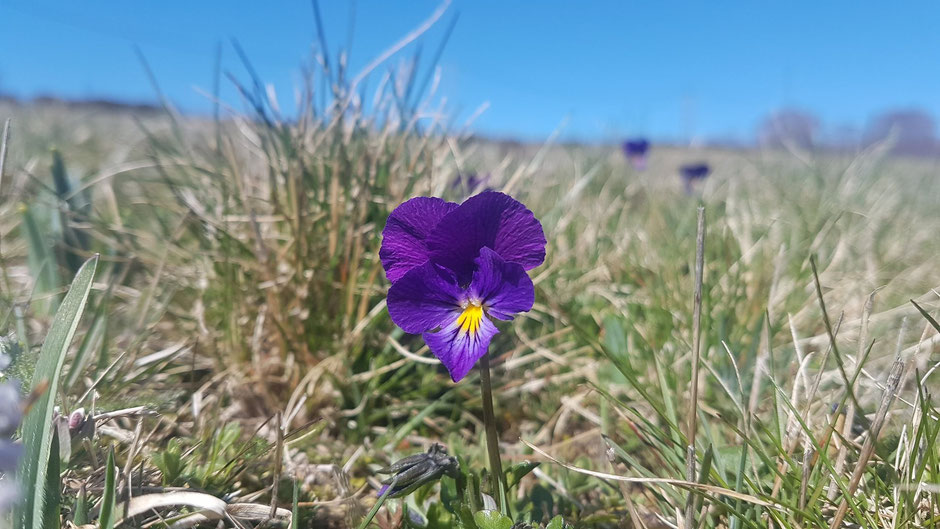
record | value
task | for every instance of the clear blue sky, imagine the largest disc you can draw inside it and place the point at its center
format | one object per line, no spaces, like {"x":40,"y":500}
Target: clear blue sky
{"x":602,"y":69}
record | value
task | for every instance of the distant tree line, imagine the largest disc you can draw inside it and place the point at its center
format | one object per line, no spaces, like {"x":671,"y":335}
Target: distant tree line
{"x":99,"y":104}
{"x":911,"y":132}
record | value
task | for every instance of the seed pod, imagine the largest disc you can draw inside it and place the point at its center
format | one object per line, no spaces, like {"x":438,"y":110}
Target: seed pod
{"x":414,"y":471}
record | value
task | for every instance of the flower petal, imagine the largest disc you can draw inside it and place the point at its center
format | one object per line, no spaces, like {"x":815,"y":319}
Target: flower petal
{"x":407,"y":228}
{"x":9,"y":494}
{"x":458,"y":348}
{"x":490,"y":219}
{"x":425,"y":298}
{"x":503,"y":288}
{"x":10,"y":409}
{"x":10,"y":455}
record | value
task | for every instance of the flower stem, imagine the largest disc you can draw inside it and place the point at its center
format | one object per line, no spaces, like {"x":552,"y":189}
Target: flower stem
{"x":378,"y":504}
{"x":497,"y":478}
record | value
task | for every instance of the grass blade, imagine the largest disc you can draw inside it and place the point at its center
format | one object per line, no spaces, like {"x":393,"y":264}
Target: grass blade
{"x":295,"y":506}
{"x":106,"y":518}
{"x":50,"y":515}
{"x":42,"y":264}
{"x":92,"y":339}
{"x":37,"y":434}
{"x":80,"y":517}
{"x":927,"y":316}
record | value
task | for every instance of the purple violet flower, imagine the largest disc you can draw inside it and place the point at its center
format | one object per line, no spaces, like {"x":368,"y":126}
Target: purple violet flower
{"x":692,"y":172}
{"x":636,"y":151}
{"x":470,"y":182}
{"x":11,"y":452}
{"x":453,"y":267}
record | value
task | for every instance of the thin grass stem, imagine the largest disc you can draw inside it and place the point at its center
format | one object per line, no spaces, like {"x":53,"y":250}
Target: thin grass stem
{"x":696,"y":360}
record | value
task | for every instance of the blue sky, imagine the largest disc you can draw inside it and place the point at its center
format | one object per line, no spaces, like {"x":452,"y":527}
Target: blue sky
{"x":597,"y":70}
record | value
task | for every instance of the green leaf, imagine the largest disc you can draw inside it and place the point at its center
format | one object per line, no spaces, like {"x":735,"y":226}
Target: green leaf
{"x":438,"y":517}
{"x":43,"y":265}
{"x":465,"y":517}
{"x":109,"y":495}
{"x":295,"y":506}
{"x":557,"y":523}
{"x":492,"y":520}
{"x":474,"y":493}
{"x":50,"y":515}
{"x":927,"y":316}
{"x":170,"y":462}
{"x":80,"y":517}
{"x":518,"y":471}
{"x":92,"y":339}
{"x":76,"y":209}
{"x":37,"y":433}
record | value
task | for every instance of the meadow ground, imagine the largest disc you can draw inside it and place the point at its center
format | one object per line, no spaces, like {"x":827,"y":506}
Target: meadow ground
{"x":236,"y":323}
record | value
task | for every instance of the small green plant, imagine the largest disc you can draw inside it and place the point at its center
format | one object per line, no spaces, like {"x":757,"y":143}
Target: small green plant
{"x":170,"y":463}
{"x":212,"y":465}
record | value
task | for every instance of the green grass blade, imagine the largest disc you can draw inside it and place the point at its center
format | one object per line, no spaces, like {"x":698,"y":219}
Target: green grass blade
{"x":295,"y":507}
{"x":42,"y":264}
{"x":92,"y":339}
{"x":927,"y":316}
{"x":108,"y":496}
{"x":80,"y":516}
{"x":37,"y":434}
{"x":50,"y":515}
{"x":378,"y":505}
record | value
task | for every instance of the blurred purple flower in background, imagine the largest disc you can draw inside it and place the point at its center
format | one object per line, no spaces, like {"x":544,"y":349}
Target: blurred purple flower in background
{"x":11,"y":414}
{"x":692,"y":172}
{"x":471,"y":182}
{"x":453,"y":267}
{"x":636,"y":151}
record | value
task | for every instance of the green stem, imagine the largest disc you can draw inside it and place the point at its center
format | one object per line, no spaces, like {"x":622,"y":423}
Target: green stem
{"x":497,"y":478}
{"x":378,"y":504}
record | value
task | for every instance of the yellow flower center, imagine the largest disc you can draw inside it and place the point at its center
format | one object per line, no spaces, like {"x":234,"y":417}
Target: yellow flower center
{"x":469,"y":320}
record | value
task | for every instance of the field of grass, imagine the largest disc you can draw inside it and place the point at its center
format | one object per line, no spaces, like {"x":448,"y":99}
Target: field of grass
{"x":235,"y":343}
